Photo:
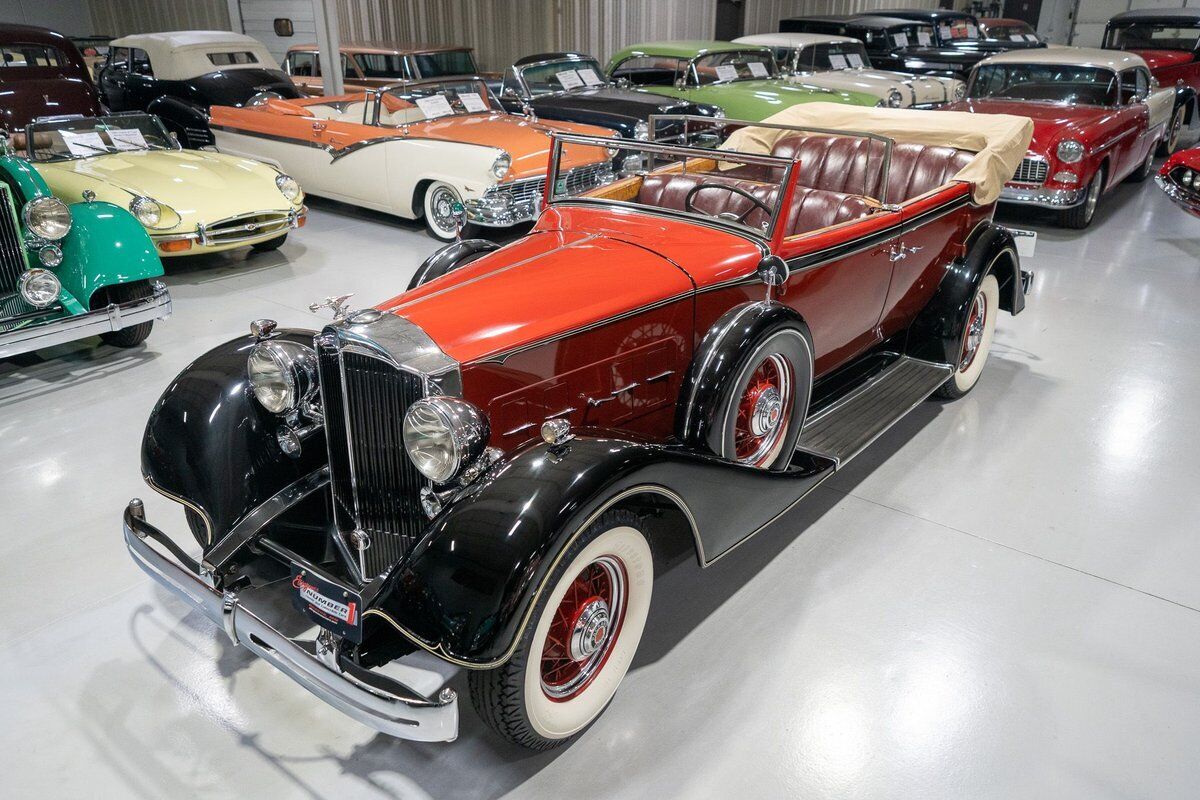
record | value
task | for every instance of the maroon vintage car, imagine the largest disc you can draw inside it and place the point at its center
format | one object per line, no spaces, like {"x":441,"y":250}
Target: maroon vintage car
{"x":686,"y":351}
{"x":1169,"y":40}
{"x":43,"y":75}
{"x":1098,"y":117}
{"x":1180,"y":179}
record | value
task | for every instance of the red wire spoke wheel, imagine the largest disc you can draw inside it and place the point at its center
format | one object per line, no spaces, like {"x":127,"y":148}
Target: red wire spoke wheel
{"x":764,"y":411}
{"x":585,"y":627}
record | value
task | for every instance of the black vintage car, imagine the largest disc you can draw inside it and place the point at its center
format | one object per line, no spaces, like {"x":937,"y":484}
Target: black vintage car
{"x":572,"y":87}
{"x":179,"y":75}
{"x":943,"y":43}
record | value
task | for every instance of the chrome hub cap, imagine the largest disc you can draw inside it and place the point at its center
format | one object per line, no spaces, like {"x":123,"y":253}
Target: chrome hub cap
{"x":584,"y":628}
{"x":762,"y":412}
{"x":443,"y":202}
{"x":768,"y":409}
{"x":590,"y":630}
{"x":974,"y":331}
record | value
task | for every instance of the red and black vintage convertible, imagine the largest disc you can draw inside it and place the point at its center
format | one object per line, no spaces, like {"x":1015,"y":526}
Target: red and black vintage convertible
{"x":1179,"y":177}
{"x":479,"y":467}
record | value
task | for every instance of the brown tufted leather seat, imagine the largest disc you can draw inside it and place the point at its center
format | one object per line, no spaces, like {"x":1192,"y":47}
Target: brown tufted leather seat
{"x":811,"y":209}
{"x":855,"y":166}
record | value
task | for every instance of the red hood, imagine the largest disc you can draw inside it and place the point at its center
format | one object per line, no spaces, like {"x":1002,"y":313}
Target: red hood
{"x":1187,"y":158}
{"x":1051,"y":121}
{"x":546,"y":284}
{"x":1158,"y":59}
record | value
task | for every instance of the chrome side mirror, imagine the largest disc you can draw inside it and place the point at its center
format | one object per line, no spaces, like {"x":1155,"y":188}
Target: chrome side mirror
{"x":773,"y":270}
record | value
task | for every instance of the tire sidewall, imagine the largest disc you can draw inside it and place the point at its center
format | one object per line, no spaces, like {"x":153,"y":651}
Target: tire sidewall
{"x":964,"y":380}
{"x":427,"y":204}
{"x":558,"y":720}
{"x":790,"y":342}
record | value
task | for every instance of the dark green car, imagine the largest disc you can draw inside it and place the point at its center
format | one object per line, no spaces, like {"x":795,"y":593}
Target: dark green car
{"x":741,"y":79}
{"x":69,"y":272}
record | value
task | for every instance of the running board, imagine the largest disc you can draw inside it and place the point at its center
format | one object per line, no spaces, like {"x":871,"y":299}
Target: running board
{"x":844,"y":429}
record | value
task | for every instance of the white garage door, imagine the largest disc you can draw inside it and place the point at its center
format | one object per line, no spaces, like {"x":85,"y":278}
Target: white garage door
{"x":258,"y":20}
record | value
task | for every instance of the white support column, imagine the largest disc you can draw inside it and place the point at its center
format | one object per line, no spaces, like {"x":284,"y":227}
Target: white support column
{"x":235,"y":15}
{"x":328,"y":41}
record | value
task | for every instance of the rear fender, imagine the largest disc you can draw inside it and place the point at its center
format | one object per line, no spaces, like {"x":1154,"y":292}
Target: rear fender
{"x":936,"y":334}
{"x":470,"y":586}
{"x":211,"y":446}
{"x":179,"y":114}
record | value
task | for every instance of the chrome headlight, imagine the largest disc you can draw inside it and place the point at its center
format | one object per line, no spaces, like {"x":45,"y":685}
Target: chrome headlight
{"x":282,"y":374}
{"x":288,"y":187}
{"x":719,"y":114}
{"x":48,"y":218}
{"x":443,"y":436}
{"x":39,"y":287}
{"x":641,"y":131}
{"x":1187,"y":179}
{"x":895,"y":99}
{"x":500,"y":166}
{"x":1069,"y":151}
{"x":147,"y":211}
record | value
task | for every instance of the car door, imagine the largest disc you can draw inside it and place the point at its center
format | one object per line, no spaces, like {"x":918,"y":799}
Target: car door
{"x":1132,"y":131}
{"x":358,"y":174}
{"x":140,"y":85}
{"x":113,"y":79}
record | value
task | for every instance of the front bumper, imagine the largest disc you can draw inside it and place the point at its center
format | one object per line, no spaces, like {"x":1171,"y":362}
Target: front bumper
{"x":60,"y":330}
{"x":1042,"y":197}
{"x":1189,"y":203}
{"x":225,"y":234}
{"x":376,"y":700}
{"x":497,"y":211}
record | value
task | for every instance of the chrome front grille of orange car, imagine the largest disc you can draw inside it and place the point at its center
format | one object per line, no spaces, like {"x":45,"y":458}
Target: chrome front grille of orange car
{"x":578,"y":180}
{"x":1033,"y":169}
{"x":375,"y":487}
{"x":12,"y":256}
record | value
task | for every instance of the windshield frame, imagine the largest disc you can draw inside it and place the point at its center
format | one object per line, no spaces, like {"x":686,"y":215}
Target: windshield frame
{"x":1115,"y":81}
{"x":41,"y":123}
{"x":693,"y":76}
{"x":605,"y":83}
{"x":800,"y":68}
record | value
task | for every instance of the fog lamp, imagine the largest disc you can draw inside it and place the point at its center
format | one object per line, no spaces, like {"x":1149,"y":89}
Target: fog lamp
{"x":39,"y":287}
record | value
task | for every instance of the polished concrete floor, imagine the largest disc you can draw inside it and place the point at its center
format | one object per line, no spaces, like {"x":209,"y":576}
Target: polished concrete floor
{"x":998,"y":600}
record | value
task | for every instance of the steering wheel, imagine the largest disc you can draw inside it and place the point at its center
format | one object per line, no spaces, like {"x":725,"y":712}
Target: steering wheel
{"x":687,"y":201}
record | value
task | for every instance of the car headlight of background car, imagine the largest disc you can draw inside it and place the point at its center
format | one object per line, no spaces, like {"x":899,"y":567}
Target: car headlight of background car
{"x":501,"y":165}
{"x":895,"y":99}
{"x":288,"y":187}
{"x":282,"y":375}
{"x":39,"y":287}
{"x":47,"y":218}
{"x":153,"y":214}
{"x":1069,"y":151}
{"x":444,"y":436}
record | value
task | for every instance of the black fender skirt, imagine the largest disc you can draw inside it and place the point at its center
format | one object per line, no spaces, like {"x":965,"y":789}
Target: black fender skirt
{"x":469,"y":588}
{"x":211,"y":446}
{"x":937,"y":333}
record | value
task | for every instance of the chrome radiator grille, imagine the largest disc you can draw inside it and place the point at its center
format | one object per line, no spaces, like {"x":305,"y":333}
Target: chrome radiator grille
{"x":12,"y":251}
{"x":376,"y":489}
{"x":244,"y":227}
{"x":1032,"y":170}
{"x":578,"y":180}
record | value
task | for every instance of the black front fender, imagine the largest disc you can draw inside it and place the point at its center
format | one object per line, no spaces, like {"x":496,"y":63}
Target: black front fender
{"x":211,"y":446}
{"x":471,"y":585}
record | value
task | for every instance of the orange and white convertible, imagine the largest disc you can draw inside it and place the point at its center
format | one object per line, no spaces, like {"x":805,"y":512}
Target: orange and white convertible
{"x":414,"y":150}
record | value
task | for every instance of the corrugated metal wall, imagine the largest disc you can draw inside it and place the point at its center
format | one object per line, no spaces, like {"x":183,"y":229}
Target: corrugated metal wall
{"x":121,"y":17}
{"x":502,"y":30}
{"x":762,"y":16}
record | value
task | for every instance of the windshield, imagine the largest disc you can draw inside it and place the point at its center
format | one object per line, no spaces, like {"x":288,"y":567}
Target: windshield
{"x":833,"y":55}
{"x":1054,"y":83}
{"x":743,"y":65}
{"x":450,"y":62}
{"x":1153,"y":36}
{"x":381,"y":65}
{"x":559,"y":76}
{"x":84,"y":137}
{"x":1009,"y":32}
{"x":900,"y":36}
{"x":956,"y":31}
{"x":417,"y":102}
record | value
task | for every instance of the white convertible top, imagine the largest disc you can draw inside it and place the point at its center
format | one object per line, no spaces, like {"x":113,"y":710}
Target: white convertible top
{"x":794,"y":39}
{"x":999,"y":141}
{"x":1116,"y":60}
{"x":180,"y":55}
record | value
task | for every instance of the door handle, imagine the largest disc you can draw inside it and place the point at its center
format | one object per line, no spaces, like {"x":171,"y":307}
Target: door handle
{"x":319,"y":126}
{"x":898,"y":252}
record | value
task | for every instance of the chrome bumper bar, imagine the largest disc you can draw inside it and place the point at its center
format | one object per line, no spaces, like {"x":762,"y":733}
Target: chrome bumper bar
{"x":1042,"y":197}
{"x":495,"y":212}
{"x":375,"y":700}
{"x":80,"y":326}
{"x":1188,"y":203}
{"x":227,"y":232}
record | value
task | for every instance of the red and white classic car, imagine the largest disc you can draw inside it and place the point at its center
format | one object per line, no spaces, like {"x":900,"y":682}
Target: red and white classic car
{"x":476,"y":467}
{"x":416,"y":149}
{"x":1169,"y":40}
{"x":1098,"y":118}
{"x":1179,"y":177}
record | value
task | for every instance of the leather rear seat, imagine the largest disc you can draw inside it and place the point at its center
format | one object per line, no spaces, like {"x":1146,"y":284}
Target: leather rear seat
{"x":811,"y":209}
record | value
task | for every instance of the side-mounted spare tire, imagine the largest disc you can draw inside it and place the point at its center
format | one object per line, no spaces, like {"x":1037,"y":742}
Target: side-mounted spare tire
{"x":450,"y":258}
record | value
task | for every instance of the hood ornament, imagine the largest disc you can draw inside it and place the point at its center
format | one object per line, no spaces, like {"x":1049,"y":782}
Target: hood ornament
{"x":337,"y":305}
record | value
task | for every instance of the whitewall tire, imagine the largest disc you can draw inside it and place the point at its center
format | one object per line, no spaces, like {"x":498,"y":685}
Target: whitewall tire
{"x":977,"y":340}
{"x":582,"y":637}
{"x":438,"y":200}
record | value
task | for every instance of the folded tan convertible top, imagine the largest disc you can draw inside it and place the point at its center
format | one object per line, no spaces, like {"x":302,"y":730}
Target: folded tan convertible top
{"x":998,"y":140}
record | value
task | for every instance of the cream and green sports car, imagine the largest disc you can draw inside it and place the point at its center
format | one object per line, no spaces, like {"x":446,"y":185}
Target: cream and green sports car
{"x":189,"y":201}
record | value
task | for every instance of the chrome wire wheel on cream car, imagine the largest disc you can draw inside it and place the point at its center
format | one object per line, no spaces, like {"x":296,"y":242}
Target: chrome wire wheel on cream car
{"x":440,"y":199}
{"x":579,"y":642}
{"x":977,"y":340}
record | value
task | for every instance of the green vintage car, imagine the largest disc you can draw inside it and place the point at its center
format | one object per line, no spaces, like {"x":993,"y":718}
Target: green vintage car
{"x":742,"y":79}
{"x":69,"y":272}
